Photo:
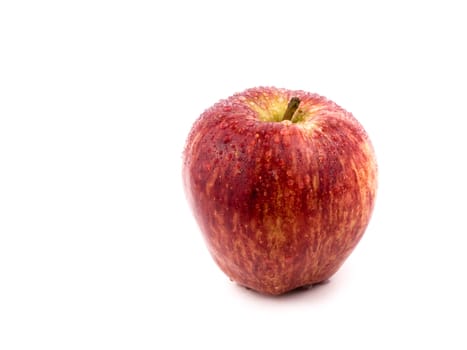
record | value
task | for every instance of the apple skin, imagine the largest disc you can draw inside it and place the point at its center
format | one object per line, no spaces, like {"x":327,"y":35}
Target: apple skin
{"x":280,"y":204}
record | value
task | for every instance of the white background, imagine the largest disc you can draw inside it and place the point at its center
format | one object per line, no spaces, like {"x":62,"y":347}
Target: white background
{"x":98,"y":249}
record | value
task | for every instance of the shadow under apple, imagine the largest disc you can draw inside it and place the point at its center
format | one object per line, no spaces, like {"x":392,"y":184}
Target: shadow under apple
{"x":318,"y":291}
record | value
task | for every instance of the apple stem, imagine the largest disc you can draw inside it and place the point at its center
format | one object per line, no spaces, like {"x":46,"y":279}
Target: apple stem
{"x":291,"y":108}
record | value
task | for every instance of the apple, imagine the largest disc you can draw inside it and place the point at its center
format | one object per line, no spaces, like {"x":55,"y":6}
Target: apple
{"x":282,"y":185}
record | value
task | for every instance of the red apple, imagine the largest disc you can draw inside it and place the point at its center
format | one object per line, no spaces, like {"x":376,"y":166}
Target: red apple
{"x":282,"y":184}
